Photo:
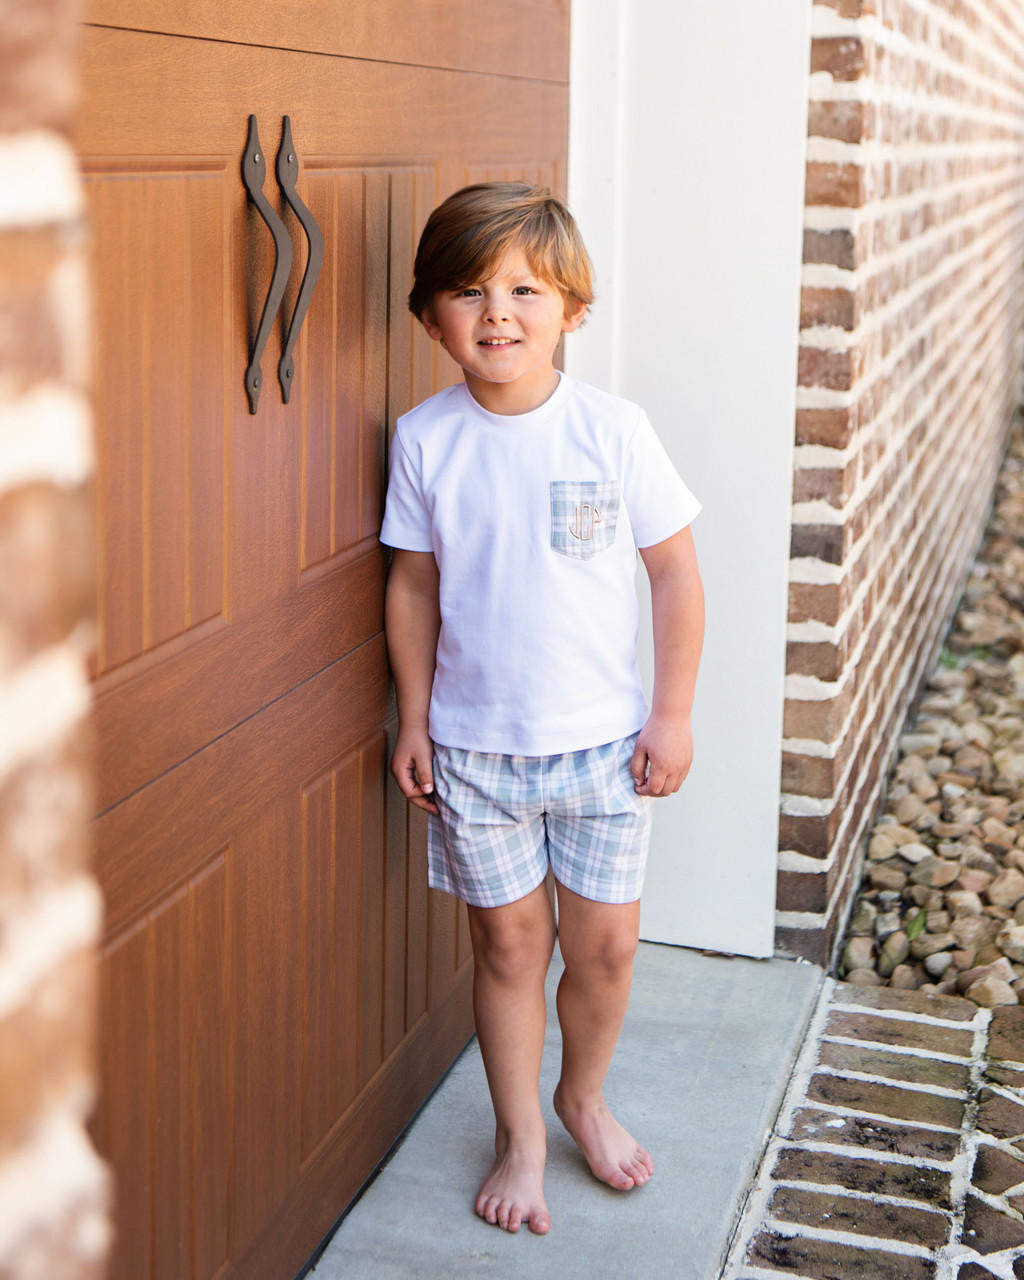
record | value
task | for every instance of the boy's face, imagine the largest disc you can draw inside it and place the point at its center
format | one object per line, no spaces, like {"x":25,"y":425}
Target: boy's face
{"x":503,"y":332}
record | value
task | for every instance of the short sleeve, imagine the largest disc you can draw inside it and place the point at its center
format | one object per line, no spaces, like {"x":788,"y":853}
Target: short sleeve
{"x":406,"y":518}
{"x":657,"y":501}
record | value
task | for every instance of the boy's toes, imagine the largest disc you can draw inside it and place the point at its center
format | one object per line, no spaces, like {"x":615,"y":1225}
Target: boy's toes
{"x":540,"y":1223}
{"x":514,"y":1220}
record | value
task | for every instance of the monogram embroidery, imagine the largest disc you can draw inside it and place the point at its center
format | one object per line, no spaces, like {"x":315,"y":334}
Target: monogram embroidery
{"x":584,"y":514}
{"x":581,"y":525}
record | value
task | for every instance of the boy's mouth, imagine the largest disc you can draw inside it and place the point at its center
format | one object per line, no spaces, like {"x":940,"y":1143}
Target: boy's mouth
{"x":497,"y":342}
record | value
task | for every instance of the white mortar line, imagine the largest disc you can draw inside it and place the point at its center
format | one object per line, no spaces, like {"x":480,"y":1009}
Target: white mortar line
{"x":40,"y":703}
{"x":44,"y":933}
{"x":980,"y":1017}
{"x":41,"y":185}
{"x":792,"y":860}
{"x":55,"y":1165}
{"x":45,"y":435}
{"x":963,"y":1162}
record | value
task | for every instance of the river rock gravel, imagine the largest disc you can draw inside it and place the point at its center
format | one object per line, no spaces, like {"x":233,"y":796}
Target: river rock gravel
{"x":941,"y":905}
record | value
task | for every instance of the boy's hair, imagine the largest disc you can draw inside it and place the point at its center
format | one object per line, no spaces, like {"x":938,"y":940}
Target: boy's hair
{"x":467,"y":234}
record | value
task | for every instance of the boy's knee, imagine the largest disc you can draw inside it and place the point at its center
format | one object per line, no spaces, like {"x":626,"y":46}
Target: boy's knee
{"x":511,"y":948}
{"x":608,"y":954}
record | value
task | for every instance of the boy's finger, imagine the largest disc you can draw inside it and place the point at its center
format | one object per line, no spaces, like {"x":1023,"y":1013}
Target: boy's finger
{"x":638,"y":765}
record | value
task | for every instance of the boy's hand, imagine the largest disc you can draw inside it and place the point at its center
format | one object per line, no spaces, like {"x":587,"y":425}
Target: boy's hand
{"x":663,"y":754}
{"x":412,"y":764}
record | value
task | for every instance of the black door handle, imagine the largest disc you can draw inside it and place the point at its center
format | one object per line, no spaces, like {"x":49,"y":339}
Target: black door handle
{"x":254,"y":171}
{"x":287,"y":173}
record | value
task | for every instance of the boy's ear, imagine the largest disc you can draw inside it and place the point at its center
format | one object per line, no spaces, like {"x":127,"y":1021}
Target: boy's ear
{"x":429,"y":321}
{"x":574,"y":313}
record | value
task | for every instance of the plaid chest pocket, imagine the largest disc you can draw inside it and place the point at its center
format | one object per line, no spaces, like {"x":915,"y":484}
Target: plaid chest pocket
{"x":584,"y":514}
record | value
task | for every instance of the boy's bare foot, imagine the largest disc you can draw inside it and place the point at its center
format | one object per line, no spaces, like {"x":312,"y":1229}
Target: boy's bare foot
{"x":513,"y":1191}
{"x":614,"y":1155}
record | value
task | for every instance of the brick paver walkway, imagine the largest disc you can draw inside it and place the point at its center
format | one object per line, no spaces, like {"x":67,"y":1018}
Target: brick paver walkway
{"x":899,"y":1150}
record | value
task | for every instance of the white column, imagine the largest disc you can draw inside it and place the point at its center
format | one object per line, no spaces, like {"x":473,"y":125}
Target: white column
{"x":687,"y":142}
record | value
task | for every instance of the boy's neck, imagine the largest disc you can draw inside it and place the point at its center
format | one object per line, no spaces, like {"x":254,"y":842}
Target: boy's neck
{"x":512,"y":398}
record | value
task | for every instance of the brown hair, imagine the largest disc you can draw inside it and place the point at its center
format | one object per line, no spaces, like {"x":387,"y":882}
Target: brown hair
{"x":467,"y":234}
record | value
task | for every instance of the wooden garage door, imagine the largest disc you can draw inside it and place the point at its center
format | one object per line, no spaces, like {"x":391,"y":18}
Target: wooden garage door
{"x":280,"y":991}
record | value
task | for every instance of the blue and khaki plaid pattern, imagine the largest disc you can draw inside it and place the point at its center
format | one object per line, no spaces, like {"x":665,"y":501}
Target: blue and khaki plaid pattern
{"x":505,"y":818}
{"x":584,"y":514}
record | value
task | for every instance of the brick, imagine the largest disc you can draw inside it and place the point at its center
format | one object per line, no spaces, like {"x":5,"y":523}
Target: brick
{"x":823,"y":661}
{"x":819,"y":719}
{"x":819,"y":542}
{"x":809,"y":944}
{"x":845,"y":121}
{"x":832,"y":428}
{"x":834,"y":485}
{"x":862,"y":1174}
{"x":814,"y":601}
{"x":37,"y":65}
{"x":890,"y":1031}
{"x":995,"y":1170}
{"x":836,"y":308}
{"x":874,"y":1135}
{"x":46,"y":568}
{"x":824,"y":1258}
{"x":908,"y":1068}
{"x":886,"y":1100}
{"x":809,"y":775}
{"x":1004,"y":1075}
{"x":950,"y":1008}
{"x":802,"y":891}
{"x":975,"y":1271}
{"x":843,"y":57}
{"x":1001,"y":1117}
{"x":30,"y":347}
{"x":859,"y":1216}
{"x":807,"y":834}
{"x":987,"y":1230}
{"x":834,"y":370}
{"x":839,"y":185}
{"x":1006,"y":1034}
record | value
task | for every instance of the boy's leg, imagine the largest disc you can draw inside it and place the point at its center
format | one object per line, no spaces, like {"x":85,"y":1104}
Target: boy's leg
{"x":598,"y":942}
{"x":512,"y":948}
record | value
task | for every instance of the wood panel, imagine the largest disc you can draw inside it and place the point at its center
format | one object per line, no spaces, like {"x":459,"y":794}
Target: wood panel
{"x":445,"y":33}
{"x":275,"y":990}
{"x":161,"y":377}
{"x":368,"y":111}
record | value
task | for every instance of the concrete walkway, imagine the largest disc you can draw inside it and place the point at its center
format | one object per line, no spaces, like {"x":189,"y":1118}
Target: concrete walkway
{"x":699,"y":1076}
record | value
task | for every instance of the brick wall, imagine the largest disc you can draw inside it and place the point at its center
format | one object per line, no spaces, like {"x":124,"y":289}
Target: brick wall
{"x":54,"y":1190}
{"x":912,"y":309}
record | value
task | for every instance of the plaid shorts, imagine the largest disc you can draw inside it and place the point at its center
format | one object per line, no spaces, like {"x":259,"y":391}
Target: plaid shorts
{"x":504,"y":819}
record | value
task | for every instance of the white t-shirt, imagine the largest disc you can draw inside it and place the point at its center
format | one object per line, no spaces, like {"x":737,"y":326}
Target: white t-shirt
{"x":534,"y":520}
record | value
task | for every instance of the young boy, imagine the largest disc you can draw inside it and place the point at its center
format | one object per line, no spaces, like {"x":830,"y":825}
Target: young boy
{"x":516,"y":506}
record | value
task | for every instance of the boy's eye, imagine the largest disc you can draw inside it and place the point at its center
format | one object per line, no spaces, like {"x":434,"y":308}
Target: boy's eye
{"x":469,"y":292}
{"x":524,"y":288}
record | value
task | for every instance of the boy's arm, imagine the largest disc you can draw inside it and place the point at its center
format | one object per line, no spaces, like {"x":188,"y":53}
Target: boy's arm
{"x":664,"y":748}
{"x":412,"y":621}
